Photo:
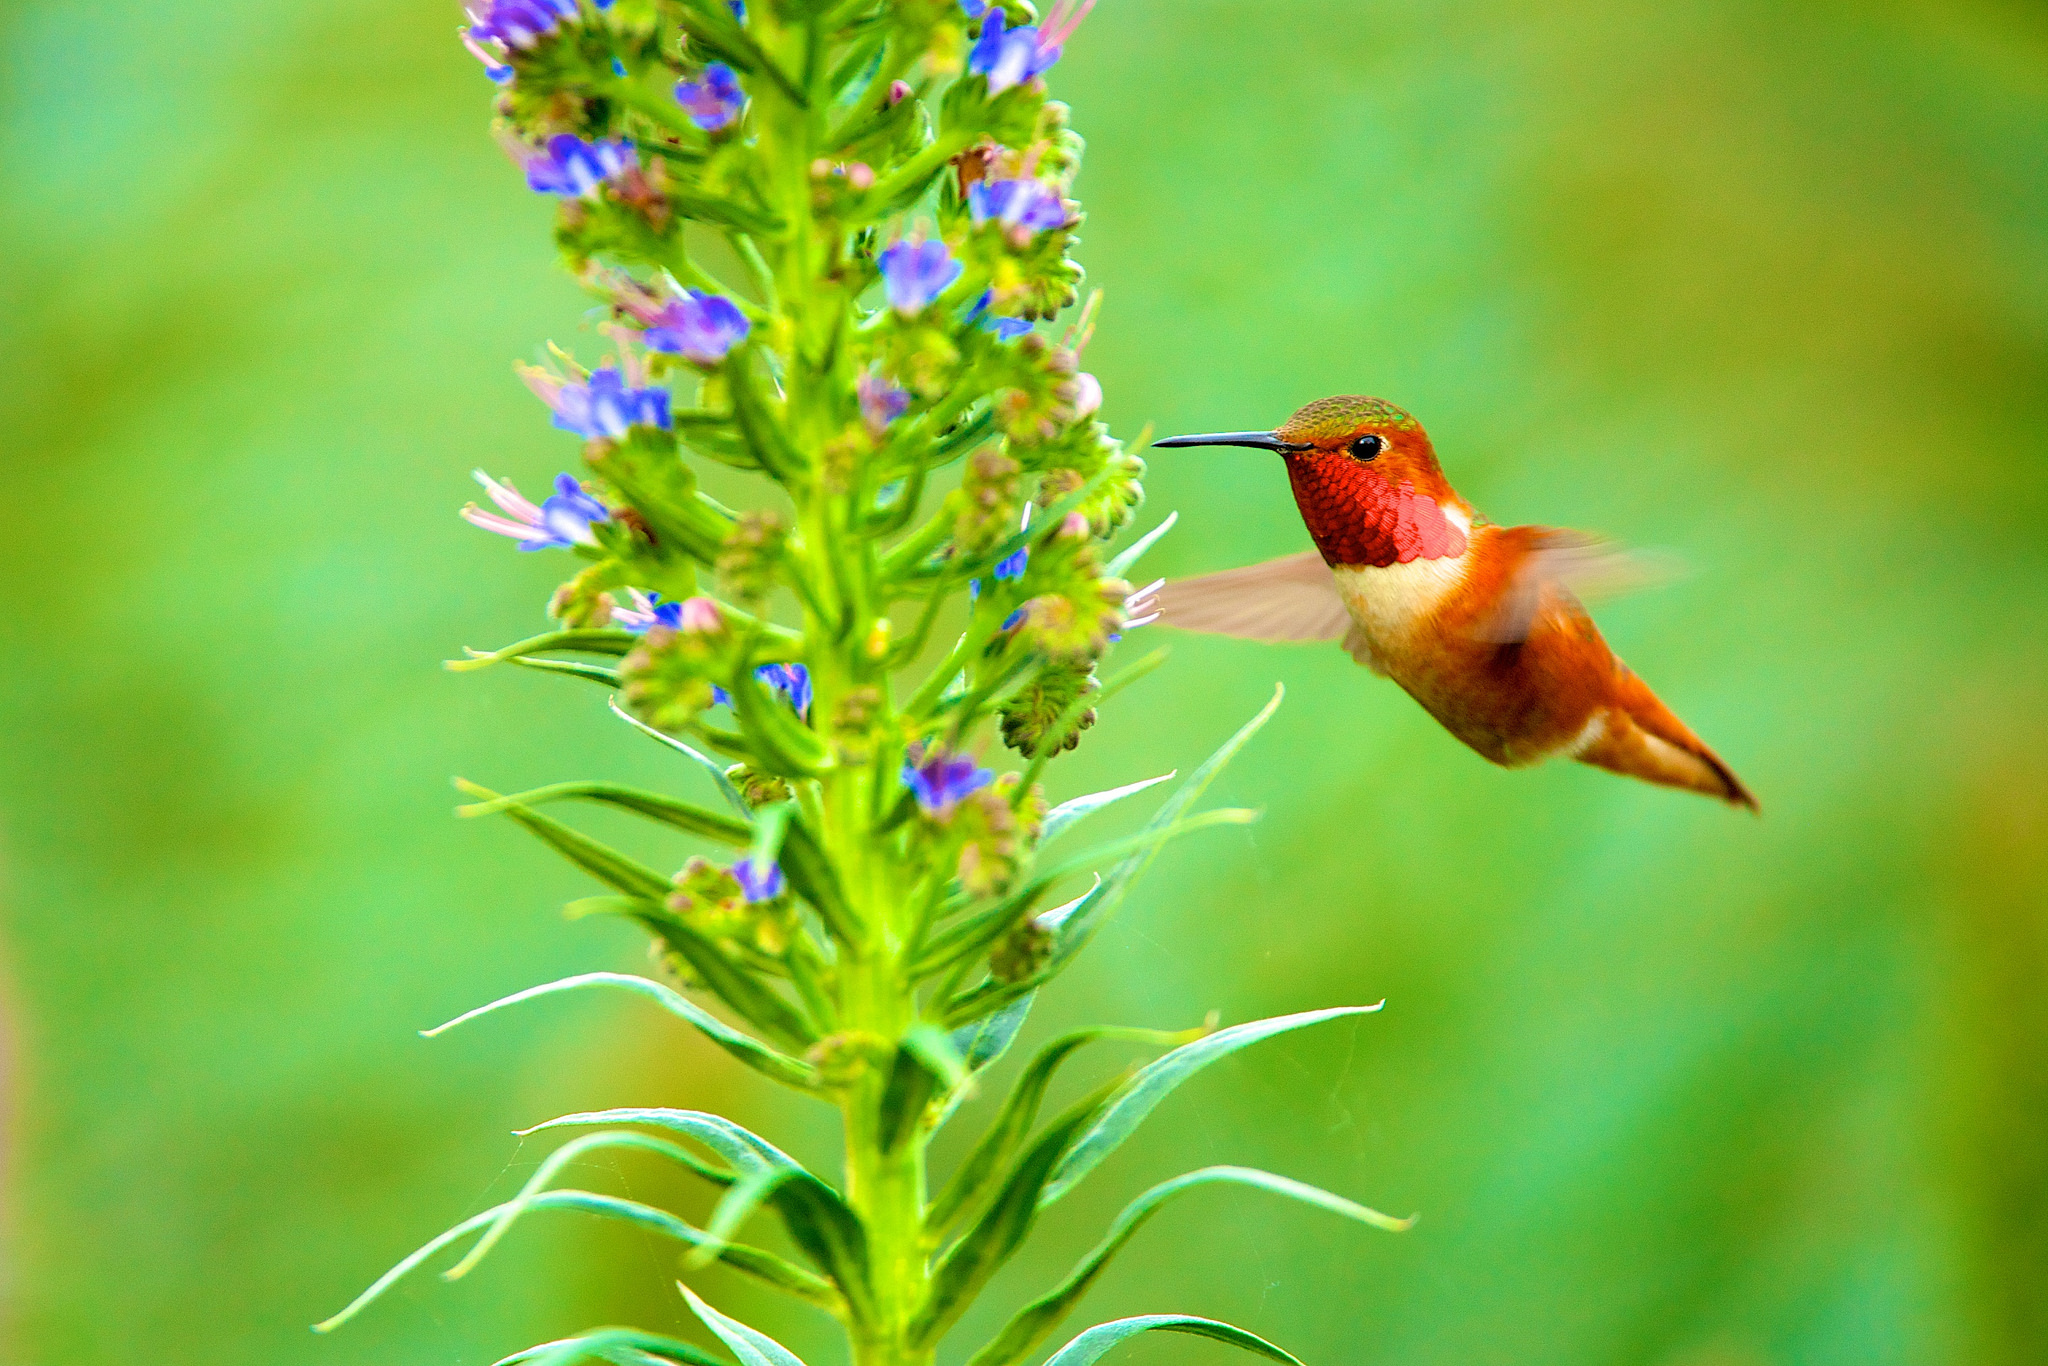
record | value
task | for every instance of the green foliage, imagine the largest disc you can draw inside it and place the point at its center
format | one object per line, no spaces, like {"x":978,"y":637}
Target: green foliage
{"x":877,"y":934}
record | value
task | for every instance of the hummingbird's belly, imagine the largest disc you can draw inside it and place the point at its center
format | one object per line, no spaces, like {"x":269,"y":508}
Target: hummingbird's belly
{"x":1514,"y":704}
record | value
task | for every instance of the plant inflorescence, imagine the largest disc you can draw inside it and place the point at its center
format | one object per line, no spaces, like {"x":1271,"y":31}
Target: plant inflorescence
{"x":822,"y":234}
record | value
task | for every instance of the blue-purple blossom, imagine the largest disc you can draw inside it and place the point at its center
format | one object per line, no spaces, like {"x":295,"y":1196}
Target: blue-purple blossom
{"x":758,"y":881}
{"x":792,"y":682}
{"x":715,"y":101}
{"x":512,"y":25}
{"x":1012,"y":56}
{"x":939,"y":780}
{"x":563,"y":520}
{"x":1024,"y":206}
{"x":645,"y":611}
{"x":698,"y":326}
{"x":881,"y":401}
{"x":974,"y":8}
{"x":566,"y":165}
{"x":606,"y":404}
{"x":1006,"y":329}
{"x":915,"y":273}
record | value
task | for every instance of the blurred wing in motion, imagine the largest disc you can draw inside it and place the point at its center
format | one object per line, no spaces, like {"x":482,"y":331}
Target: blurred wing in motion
{"x":1291,"y":598}
{"x":1565,"y":569}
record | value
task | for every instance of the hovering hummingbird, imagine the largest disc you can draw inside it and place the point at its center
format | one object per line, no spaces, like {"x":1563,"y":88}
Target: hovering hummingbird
{"x":1479,"y":623}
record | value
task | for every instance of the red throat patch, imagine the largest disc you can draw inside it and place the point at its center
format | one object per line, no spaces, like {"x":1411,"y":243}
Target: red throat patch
{"x":1358,"y":518}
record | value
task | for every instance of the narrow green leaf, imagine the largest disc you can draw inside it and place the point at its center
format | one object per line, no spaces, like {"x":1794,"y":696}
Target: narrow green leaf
{"x":970,"y":938}
{"x":1089,"y":1347}
{"x":985,"y":1041}
{"x":509,"y":1212}
{"x":745,"y":1047}
{"x":601,"y":861}
{"x":709,"y":764}
{"x":817,"y":1219}
{"x":603,"y":1344}
{"x":1031,"y":1323}
{"x":961,"y":1194}
{"x":1119,"y":567}
{"x":608,"y":1206}
{"x":740,"y":1148}
{"x":752,"y":1346}
{"x":679,"y":815}
{"x":1156,"y":1081}
{"x":1063,"y":816}
{"x":1089,"y":918}
{"x":592,"y":673}
{"x":1000,"y":1231}
{"x":600,"y":642}
{"x":749,"y":996}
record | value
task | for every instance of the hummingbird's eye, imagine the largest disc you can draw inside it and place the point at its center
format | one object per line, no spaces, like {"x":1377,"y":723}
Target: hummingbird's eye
{"x":1367,"y":446}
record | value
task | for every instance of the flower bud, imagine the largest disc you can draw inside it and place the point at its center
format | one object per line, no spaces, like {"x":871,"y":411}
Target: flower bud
{"x":991,"y":843}
{"x":757,"y":789}
{"x":844,"y":1058}
{"x":1020,"y":955}
{"x":747,"y":561}
{"x":665,"y":680}
{"x":1029,"y":714}
{"x":986,"y":501}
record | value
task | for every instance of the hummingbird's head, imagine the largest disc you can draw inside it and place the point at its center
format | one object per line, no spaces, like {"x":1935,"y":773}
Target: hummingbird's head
{"x":1365,"y":477}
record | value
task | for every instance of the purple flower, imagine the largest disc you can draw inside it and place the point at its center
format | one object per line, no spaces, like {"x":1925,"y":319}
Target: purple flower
{"x":570,"y":167}
{"x":510,"y":25}
{"x":1026,"y":207}
{"x":699,"y":327}
{"x":563,"y":520}
{"x":940,"y":780}
{"x":915,"y":273}
{"x":1008,"y":57}
{"x":975,"y":8}
{"x":606,"y":404}
{"x":758,"y":882}
{"x":881,"y":402}
{"x":646,"y":612}
{"x":789,"y":681}
{"x":1006,"y":329}
{"x":715,"y":101}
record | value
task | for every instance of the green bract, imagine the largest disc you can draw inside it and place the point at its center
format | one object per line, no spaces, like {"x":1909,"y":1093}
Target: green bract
{"x":868,"y":924}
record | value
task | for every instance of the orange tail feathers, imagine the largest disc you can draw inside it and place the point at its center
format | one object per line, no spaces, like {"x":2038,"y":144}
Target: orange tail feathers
{"x":1642,"y":739}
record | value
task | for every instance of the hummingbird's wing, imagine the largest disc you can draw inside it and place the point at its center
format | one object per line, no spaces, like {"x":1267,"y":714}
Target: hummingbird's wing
{"x":1291,"y":598}
{"x":1562,"y":568}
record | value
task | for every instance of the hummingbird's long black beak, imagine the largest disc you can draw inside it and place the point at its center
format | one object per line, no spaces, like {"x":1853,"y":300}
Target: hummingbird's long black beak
{"x":1262,"y":441}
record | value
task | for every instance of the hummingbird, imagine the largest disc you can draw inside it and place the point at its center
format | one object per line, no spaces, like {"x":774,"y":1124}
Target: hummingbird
{"x":1481,"y":624}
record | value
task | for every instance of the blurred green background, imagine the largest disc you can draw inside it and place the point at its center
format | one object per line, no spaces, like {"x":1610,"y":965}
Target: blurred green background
{"x":1763,"y":283}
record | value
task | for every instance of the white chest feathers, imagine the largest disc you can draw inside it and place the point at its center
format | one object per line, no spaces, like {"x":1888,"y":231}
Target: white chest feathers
{"x":1388,"y":602}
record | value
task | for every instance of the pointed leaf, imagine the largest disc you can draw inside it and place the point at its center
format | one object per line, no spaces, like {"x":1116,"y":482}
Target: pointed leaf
{"x":1156,"y":1081}
{"x":751,"y":997}
{"x":752,"y":1346}
{"x":592,"y":673}
{"x":602,"y":862}
{"x":536,"y":1184}
{"x":594,"y":642}
{"x":754,"y":1261}
{"x":709,"y":764}
{"x":603,"y":1345}
{"x":1031,"y":1323}
{"x":1082,"y":926}
{"x":1068,"y":812}
{"x":985,"y":1041}
{"x":744,"y":1151}
{"x":1119,"y":567}
{"x":745,"y":1047}
{"x":1089,"y":1347}
{"x":1000,"y":1231}
{"x":1020,"y":1112}
{"x":678,"y":815}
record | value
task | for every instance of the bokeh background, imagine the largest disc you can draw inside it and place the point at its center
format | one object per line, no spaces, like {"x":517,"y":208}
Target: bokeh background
{"x":1762,"y":283}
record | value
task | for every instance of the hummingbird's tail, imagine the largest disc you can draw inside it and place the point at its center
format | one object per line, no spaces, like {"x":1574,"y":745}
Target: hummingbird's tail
{"x":1640,"y":737}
